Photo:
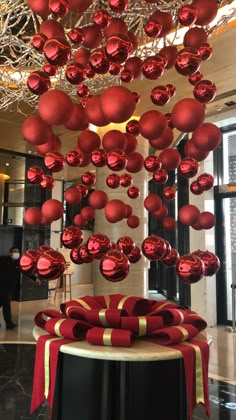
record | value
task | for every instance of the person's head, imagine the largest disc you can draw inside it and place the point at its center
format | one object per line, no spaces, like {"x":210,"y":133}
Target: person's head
{"x":14,"y":252}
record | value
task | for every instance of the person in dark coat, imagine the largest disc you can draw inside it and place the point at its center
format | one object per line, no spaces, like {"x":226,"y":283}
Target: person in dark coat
{"x":9,"y":276}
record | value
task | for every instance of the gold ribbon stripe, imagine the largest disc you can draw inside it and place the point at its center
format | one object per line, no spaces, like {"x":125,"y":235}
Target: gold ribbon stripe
{"x":57,"y":327}
{"x":142,"y":327}
{"x":107,"y":337}
{"x":47,"y":365}
{"x":184,"y":332}
{"x":181,"y":316}
{"x":199,"y":374}
{"x":163,"y":305}
{"x":107,"y":300}
{"x":84,"y":304}
{"x":122,"y":301}
{"x":75,"y":307}
{"x":102,"y":317}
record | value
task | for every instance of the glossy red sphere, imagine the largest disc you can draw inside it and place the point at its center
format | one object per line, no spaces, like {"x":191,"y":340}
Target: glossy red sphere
{"x":195,"y":188}
{"x":113,"y":181}
{"x":88,"y":178}
{"x":188,"y":167}
{"x":52,"y":209}
{"x":114,"y":266}
{"x":133,"y":222}
{"x":171,"y":259}
{"x":99,"y":157}
{"x":73,"y":158}
{"x":188,"y":61}
{"x":190,"y":268}
{"x":115,"y":210}
{"x":101,"y":18}
{"x":74,"y":73}
{"x":189,"y":214}
{"x":71,"y":237}
{"x":72,"y":195}
{"x":210,"y":260}
{"x":160,"y":95}
{"x":204,"y":91}
{"x":153,"y":67}
{"x":195,"y":78}
{"x":126,"y":180}
{"x":97,"y":245}
{"x":132,"y":127}
{"x":126,"y":244}
{"x":99,"y":61}
{"x":57,"y":51}
{"x":47,"y":182}
{"x":205,"y":51}
{"x":133,"y":192}
{"x":118,"y":6}
{"x":59,"y":8}
{"x":33,"y":216}
{"x":160,"y":176}
{"x":169,"y":193}
{"x":152,"y":28}
{"x":98,"y":199}
{"x":152,"y":163}
{"x":28,"y":261}
{"x":116,"y":160}
{"x":38,"y":41}
{"x":205,"y":181}
{"x":154,"y":247}
{"x":187,"y":115}
{"x":54,"y":161}
{"x":35,"y":174}
{"x":118,"y":48}
{"x":135,"y":255}
{"x":76,"y":35}
{"x":51,"y":265}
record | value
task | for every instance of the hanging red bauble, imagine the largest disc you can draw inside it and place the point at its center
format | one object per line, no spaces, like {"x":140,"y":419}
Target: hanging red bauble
{"x":135,"y":255}
{"x":118,"y":48}
{"x":115,"y":69}
{"x":98,"y":199}
{"x":116,"y":26}
{"x":132,"y":127}
{"x":116,"y":160}
{"x":97,"y":245}
{"x":128,"y":211}
{"x":133,"y":222}
{"x":87,"y":213}
{"x":188,"y":167}
{"x":210,"y":260}
{"x":137,"y":97}
{"x":188,"y":114}
{"x":195,"y":78}
{"x":114,"y":211}
{"x":188,"y":61}
{"x":79,"y":6}
{"x":206,"y":11}
{"x":28,"y":261}
{"x":88,"y":141}
{"x":59,"y":8}
{"x":160,"y":176}
{"x":117,"y":104}
{"x":161,"y":213}
{"x":114,"y":266}
{"x":152,"y":202}
{"x":35,"y":130}
{"x":33,"y":216}
{"x":35,"y":174}
{"x":135,"y":162}
{"x":204,"y":91}
{"x":113,"y":181}
{"x":79,"y":221}
{"x":152,"y":124}
{"x":126,"y":76}
{"x":206,"y":220}
{"x":205,"y":181}
{"x":52,"y":29}
{"x":190,"y":268}
{"x":76,"y":35}
{"x":205,"y":51}
{"x":170,"y":52}
{"x":47,"y":182}
{"x":99,"y":158}
{"x":160,"y":95}
{"x":118,"y":6}
{"x":92,"y":36}
{"x":187,"y":15}
{"x":169,"y":193}
{"x":152,"y":163}
{"x":169,"y":224}
{"x":133,"y":192}
{"x":126,"y":180}
{"x":194,"y":152}
{"x":171,"y":88}
{"x":51,"y":265}
{"x":81,"y":56}
{"x":39,"y":7}
{"x":169,"y":121}
{"x":195,"y":37}
{"x":207,"y":137}
{"x":195,"y":188}
{"x":131,"y":144}
{"x":170,"y":159}
{"x":82,"y":189}
{"x":101,"y":18}
{"x":99,"y":61}
{"x":74,"y":256}
{"x":82,"y":90}
{"x":78,"y":119}
{"x":88,"y":178}
{"x":57,"y":51}
{"x":52,"y":209}
{"x":54,"y":161}
{"x":134,"y":64}
{"x":55,"y":107}
{"x":153,"y":67}
{"x":71,"y":237}
{"x":165,"y":20}
{"x":50,"y":69}
{"x":84,"y":254}
{"x":73,"y":158}
{"x":189,"y":214}
{"x":154,"y":247}
{"x":74,"y":73}
{"x":94,"y":114}
{"x":113,"y":139}
{"x":38,"y":42}
{"x":72,"y":195}
{"x":125,"y":244}
{"x":171,"y":259}
{"x":164,"y":141}
{"x":152,"y":28}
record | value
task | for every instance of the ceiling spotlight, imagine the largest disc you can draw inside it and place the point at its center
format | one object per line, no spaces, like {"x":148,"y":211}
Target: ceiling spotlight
{"x":7,"y":164}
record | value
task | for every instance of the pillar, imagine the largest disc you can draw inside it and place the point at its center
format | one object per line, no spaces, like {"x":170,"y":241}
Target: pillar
{"x":136,"y":283}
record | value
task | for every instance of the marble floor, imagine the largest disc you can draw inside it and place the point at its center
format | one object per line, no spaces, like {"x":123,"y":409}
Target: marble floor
{"x":17,"y":351}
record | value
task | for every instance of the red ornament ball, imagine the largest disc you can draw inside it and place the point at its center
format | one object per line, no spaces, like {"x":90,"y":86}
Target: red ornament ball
{"x":152,"y":163}
{"x":74,"y":256}
{"x":74,"y":73}
{"x":187,"y":15}
{"x":98,"y":199}
{"x":88,"y":178}
{"x":160,"y":176}
{"x":76,"y":35}
{"x":87,"y":213}
{"x":187,"y":115}
{"x":125,"y":244}
{"x":164,"y":141}
{"x":132,"y":127}
{"x":114,"y":266}
{"x":59,"y":8}
{"x":52,"y":29}
{"x":113,"y":139}
{"x":99,"y":158}
{"x":131,"y":143}
{"x":73,"y":158}
{"x":152,"y":203}
{"x":57,"y":51}
{"x":152,"y":28}
{"x":79,"y":221}
{"x":72,"y":195}
{"x":170,"y":52}
{"x":188,"y":167}
{"x":126,"y":180}
{"x":189,"y":214}
{"x":206,"y":220}
{"x":55,"y":107}
{"x":101,"y":18}
{"x":195,"y":37}
{"x":152,"y":124}
{"x":135,"y":255}
{"x":191,"y":151}
{"x":38,"y":82}
{"x":170,"y":159}
{"x":117,"y":104}
{"x":154,"y":248}
{"x":171,"y":259}
{"x":51,"y":265}
{"x":195,"y":188}
{"x":54,"y":161}
{"x":33,"y":216}
{"x":118,"y":48}
{"x":82,"y":189}
{"x":97,"y":245}
{"x":35,"y":130}
{"x":195,"y":78}
{"x":169,"y":193}
{"x":135,"y":162}
{"x":207,"y":137}
{"x":190,"y":268}
{"x":79,"y":6}
{"x":71,"y":237}
{"x":114,"y":211}
{"x":39,"y":7}
{"x":94,"y":112}
{"x":113,"y":181}
{"x":133,"y":192}
{"x":153,"y":67}
{"x":92,"y":36}
{"x":99,"y":61}
{"x":160,"y":95}
{"x":210,"y":260}
{"x":88,"y":141}
{"x":28,"y":261}
{"x":205,"y":51}
{"x":188,"y":61}
{"x":47,"y":182}
{"x":133,"y":222}
{"x":169,"y":224}
{"x":134,"y":64}
{"x":206,"y":11}
{"x":161,"y":213}
{"x":52,"y":209}
{"x":118,"y":6}
{"x":204,"y":91}
{"x":84,"y":255}
{"x":38,"y":41}
{"x":205,"y":181}
{"x":35,"y":174}
{"x":116,"y":160}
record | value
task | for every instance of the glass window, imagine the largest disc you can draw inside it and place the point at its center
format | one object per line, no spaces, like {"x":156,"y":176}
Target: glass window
{"x":229,"y":158}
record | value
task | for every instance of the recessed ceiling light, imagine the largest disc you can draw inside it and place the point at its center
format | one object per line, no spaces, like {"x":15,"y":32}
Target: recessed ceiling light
{"x":29,"y":151}
{"x":7,"y":164}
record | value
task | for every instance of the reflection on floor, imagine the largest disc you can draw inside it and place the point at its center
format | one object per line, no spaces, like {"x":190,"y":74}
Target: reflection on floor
{"x":17,"y":349}
{"x":16,"y":373}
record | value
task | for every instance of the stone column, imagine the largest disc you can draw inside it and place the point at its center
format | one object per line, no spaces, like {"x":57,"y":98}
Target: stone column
{"x":136,"y":283}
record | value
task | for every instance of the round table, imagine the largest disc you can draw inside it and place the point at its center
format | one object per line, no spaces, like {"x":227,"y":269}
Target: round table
{"x":142,"y":382}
